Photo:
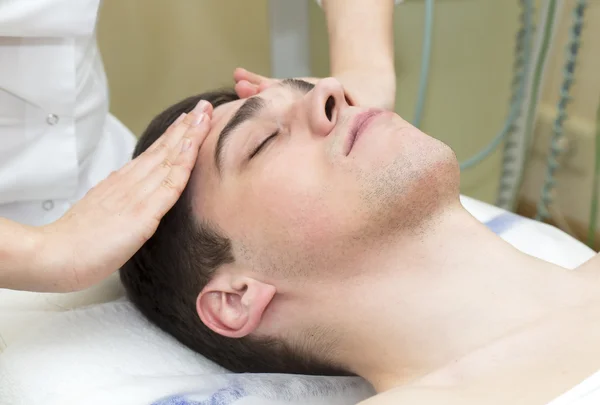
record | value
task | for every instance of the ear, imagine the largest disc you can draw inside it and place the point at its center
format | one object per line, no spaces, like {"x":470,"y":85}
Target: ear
{"x":232,"y":305}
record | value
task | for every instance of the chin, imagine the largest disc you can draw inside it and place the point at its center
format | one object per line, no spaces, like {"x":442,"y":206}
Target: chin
{"x":408,"y":191}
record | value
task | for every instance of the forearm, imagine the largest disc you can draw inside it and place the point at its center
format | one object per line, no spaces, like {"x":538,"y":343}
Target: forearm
{"x":360,"y":34}
{"x":361,"y":46}
{"x":19,"y":246}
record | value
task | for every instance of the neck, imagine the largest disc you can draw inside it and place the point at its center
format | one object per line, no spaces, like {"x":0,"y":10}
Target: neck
{"x":434,"y":299}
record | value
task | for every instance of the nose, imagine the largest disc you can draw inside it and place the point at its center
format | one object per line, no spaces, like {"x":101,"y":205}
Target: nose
{"x":325,"y":104}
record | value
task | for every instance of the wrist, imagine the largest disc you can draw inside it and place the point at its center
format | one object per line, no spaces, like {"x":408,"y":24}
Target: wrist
{"x":45,"y":261}
{"x":35,"y":274}
{"x":370,"y":87}
{"x":19,"y":250}
{"x":51,"y":259}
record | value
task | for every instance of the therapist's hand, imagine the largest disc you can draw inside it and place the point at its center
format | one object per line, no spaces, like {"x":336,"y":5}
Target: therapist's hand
{"x":248,"y":84}
{"x":360,"y":86}
{"x":114,"y":219}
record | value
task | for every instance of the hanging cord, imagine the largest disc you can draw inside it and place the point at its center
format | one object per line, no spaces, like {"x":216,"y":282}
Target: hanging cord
{"x":595,"y":185}
{"x":557,"y":143}
{"x":522,"y":60}
{"x":518,"y":142}
{"x":425,"y":61}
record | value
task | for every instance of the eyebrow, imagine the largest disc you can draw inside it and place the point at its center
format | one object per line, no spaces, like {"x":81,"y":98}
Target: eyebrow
{"x":249,"y":110}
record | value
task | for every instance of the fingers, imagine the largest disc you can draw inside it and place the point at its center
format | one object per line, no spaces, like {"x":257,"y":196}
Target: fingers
{"x":240,"y":74}
{"x":248,"y":84}
{"x":176,"y":130}
{"x":164,"y":185}
{"x":165,"y":149}
{"x":245,"y":89}
{"x":245,"y":75}
{"x":265,"y":85}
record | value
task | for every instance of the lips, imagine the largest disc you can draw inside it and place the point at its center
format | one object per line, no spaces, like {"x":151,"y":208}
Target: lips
{"x":361,"y":122}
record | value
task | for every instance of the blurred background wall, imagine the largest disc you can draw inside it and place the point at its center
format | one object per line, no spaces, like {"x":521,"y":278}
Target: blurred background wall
{"x":157,"y":52}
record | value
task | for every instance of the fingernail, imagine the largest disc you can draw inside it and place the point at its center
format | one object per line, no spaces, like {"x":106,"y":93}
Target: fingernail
{"x":201,"y":106}
{"x":198,"y":119}
{"x":186,"y":143}
{"x":179,"y":119}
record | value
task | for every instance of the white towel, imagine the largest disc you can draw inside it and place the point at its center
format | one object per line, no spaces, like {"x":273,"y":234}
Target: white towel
{"x":109,"y":353}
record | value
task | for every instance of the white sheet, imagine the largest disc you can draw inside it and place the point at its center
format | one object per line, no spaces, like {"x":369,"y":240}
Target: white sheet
{"x":57,"y":350}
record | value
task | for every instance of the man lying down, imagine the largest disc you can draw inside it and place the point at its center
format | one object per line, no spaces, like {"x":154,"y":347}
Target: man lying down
{"x":317,"y":237}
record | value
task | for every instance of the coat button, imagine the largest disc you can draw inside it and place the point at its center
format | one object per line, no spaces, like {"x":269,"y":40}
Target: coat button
{"x":48,"y":205}
{"x":52,"y":119}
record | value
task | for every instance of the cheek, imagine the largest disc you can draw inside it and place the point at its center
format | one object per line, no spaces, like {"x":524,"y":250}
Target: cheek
{"x":287,"y":201}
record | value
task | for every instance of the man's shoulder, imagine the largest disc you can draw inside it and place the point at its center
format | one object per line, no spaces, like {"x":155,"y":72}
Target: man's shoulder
{"x":591,"y":265}
{"x":411,"y":395}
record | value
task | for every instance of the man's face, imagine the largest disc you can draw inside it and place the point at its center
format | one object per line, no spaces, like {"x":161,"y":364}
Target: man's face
{"x":300,"y":181}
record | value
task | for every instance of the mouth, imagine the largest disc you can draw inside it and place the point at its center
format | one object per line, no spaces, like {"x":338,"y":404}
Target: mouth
{"x":361,"y":122}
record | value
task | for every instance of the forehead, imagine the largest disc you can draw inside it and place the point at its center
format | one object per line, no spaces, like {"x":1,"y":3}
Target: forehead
{"x":204,"y":169}
{"x":202,"y":181}
{"x":205,"y":175}
{"x":221,"y":116}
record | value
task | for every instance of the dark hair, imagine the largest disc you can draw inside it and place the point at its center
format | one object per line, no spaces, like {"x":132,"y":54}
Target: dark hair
{"x":164,"y":278}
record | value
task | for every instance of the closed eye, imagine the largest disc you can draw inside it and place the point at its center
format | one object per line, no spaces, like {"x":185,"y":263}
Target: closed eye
{"x":264,"y":143}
